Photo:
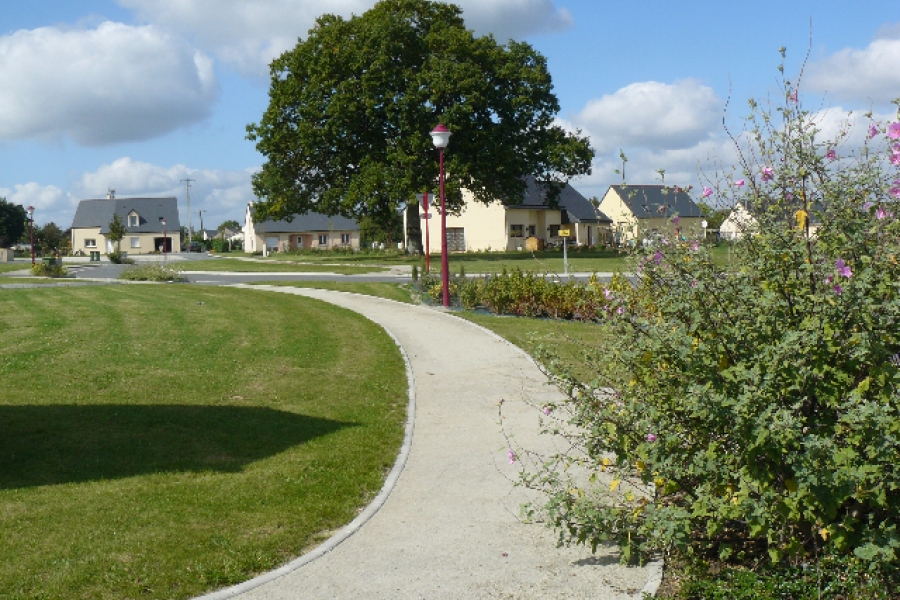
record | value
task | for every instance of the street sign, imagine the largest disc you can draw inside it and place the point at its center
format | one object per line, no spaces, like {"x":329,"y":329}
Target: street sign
{"x":565,"y":232}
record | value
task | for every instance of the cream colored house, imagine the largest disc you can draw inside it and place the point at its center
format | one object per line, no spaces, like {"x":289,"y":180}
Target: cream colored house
{"x":641,"y":212}
{"x":310,"y":231}
{"x":143,"y":219}
{"x":495,"y":226}
{"x":741,"y":222}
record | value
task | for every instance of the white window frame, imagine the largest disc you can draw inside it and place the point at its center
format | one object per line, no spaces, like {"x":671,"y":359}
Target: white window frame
{"x":134,"y":220}
{"x":135,"y":242}
{"x":345,"y":238}
{"x":90,"y":242}
{"x":323,"y":239}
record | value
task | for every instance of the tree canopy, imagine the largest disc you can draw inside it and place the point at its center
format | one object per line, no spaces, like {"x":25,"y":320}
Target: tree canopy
{"x":117,"y":231}
{"x":351,"y":107}
{"x":13,"y":219}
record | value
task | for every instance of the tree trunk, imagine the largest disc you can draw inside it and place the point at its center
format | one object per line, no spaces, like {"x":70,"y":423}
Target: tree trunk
{"x":413,"y":229}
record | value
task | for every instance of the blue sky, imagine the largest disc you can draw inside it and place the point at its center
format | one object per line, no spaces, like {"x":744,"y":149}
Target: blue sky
{"x":137,"y":95}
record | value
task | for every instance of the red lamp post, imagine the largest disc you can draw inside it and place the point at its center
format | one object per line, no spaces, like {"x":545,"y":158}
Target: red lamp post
{"x":440,"y":135}
{"x":31,"y":225}
{"x":165,"y":255}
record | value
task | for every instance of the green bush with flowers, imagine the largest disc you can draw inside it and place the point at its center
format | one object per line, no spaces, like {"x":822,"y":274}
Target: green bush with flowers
{"x":752,"y":412}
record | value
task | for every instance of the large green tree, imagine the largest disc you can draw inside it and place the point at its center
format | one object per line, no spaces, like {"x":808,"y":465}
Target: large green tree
{"x":13,"y":220}
{"x":351,"y":107}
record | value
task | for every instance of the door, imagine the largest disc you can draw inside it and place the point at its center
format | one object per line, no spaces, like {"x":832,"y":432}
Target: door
{"x":456,"y":239}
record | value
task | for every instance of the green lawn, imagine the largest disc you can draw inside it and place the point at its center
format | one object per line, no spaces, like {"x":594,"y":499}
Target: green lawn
{"x":14,"y":266}
{"x":390,"y":291}
{"x":162,"y":441}
{"x":270,"y":266}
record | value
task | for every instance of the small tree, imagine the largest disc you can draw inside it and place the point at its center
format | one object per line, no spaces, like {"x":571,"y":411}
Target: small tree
{"x":13,"y":222}
{"x":117,"y":231}
{"x":753,"y":410}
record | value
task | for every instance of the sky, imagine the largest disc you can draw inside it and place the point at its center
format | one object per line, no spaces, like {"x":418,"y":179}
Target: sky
{"x":138,"y":95}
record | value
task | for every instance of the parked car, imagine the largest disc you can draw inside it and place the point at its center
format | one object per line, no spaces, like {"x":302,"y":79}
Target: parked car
{"x":193,"y":247}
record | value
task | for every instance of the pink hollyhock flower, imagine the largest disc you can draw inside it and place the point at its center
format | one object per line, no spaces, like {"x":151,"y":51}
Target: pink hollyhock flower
{"x":651,"y":437}
{"x":621,"y":310}
{"x":512,"y":457}
{"x":695,"y":245}
{"x":843,"y":268}
{"x":880,"y":213}
{"x":675,"y":219}
{"x":895,"y":159}
{"x":895,"y":191}
{"x":657,"y":257}
{"x":607,"y":293}
{"x":829,"y":279}
{"x":831,"y":155}
{"x":873,"y":131}
{"x":547,"y":410}
{"x":893,"y":131}
{"x":837,"y":290}
{"x":767,"y":174}
{"x":793,"y":96}
{"x":739,"y":183}
{"x":707,"y":192}
{"x":895,"y":148}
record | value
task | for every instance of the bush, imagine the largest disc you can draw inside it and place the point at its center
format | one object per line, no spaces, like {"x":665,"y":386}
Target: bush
{"x":42,"y":269}
{"x":119,"y":258}
{"x":753,"y":412}
{"x":152,"y":272}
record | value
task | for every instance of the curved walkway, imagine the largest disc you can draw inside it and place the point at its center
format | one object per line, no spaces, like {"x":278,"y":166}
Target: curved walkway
{"x":449,"y":527}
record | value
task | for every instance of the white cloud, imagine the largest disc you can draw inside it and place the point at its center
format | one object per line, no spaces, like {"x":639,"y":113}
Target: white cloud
{"x":110,"y":84}
{"x":221,"y":195}
{"x":868,"y":75}
{"x":651,"y":114}
{"x":50,"y":202}
{"x":248,"y":34}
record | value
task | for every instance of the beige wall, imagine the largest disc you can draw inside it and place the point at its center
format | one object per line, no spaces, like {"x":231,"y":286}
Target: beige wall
{"x":306,"y":240}
{"x":146,"y":240}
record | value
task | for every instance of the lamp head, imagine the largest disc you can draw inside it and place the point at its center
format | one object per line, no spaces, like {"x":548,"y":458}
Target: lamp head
{"x":440,"y":135}
{"x":30,"y":210}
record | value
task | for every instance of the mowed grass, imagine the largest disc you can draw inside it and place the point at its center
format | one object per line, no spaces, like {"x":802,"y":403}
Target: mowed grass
{"x":163,"y":441}
{"x":233,"y":265}
{"x":8,"y":267}
{"x":389,"y":291}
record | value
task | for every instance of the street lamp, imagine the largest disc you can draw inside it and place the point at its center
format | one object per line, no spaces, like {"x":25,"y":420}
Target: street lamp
{"x":31,"y":225}
{"x":440,"y":135}
{"x":165,"y":256}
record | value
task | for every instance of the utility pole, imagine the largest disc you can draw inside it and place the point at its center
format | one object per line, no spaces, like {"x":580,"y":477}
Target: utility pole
{"x":187,"y":186}
{"x":200,"y":212}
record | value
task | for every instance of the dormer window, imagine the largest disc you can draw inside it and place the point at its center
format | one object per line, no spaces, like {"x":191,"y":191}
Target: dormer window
{"x":134,"y":220}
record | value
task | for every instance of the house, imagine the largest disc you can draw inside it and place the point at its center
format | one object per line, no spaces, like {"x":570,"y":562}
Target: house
{"x":741,"y":221}
{"x":529,"y":224}
{"x":310,"y":231}
{"x":150,"y":223}
{"x":640,"y":212}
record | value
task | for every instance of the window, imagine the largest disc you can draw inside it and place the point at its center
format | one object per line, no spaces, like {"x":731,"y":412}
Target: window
{"x":133,"y":221}
{"x":90,"y":243}
{"x":531,"y":230}
{"x":516,"y":230}
{"x":135,"y":242}
{"x":345,"y":238}
{"x":323,"y":240}
{"x":554,"y":231}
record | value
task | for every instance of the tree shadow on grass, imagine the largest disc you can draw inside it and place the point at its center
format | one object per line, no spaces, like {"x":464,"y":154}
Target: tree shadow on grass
{"x":47,"y":445}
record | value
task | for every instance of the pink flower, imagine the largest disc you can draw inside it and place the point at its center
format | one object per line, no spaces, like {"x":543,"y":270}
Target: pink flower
{"x":621,"y":310}
{"x":512,"y":457}
{"x":831,"y":155}
{"x":547,"y":410}
{"x":767,"y":174}
{"x":829,"y":279}
{"x":657,"y":257}
{"x":739,"y":183}
{"x":893,"y":131}
{"x":707,"y":192}
{"x":793,"y":96}
{"x":895,"y":191}
{"x":873,"y":131}
{"x":895,"y":148}
{"x":651,"y":437}
{"x":837,"y":290}
{"x":895,"y":159}
{"x":695,"y":245}
{"x":694,"y":283}
{"x":880,"y":213}
{"x":867,"y":205}
{"x":843,"y":268}
{"x":675,"y":219}
{"x":607,"y":293}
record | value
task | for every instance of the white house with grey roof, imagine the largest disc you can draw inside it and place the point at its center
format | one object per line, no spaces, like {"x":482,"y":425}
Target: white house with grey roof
{"x":533,"y":221}
{"x":640,"y":212}
{"x":310,"y":231}
{"x":143,"y":219}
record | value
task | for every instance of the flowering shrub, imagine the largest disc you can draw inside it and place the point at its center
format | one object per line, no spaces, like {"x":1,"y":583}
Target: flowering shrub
{"x":753,"y":411}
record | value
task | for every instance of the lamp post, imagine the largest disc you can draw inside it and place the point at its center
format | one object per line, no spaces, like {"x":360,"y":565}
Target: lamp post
{"x":165,"y":255}
{"x":31,"y":225}
{"x":440,"y":135}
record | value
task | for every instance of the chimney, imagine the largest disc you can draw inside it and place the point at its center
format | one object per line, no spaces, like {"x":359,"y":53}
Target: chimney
{"x":110,"y":194}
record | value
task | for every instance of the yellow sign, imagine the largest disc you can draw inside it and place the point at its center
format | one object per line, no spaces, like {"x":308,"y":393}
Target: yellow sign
{"x":564,"y":233}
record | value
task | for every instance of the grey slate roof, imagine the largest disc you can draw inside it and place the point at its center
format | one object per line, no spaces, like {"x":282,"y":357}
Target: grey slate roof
{"x":98,"y":213}
{"x":578,"y":208}
{"x":657,"y":201}
{"x":308,"y":222}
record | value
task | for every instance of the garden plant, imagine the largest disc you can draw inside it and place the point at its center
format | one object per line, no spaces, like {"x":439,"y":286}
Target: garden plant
{"x":748,"y":414}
